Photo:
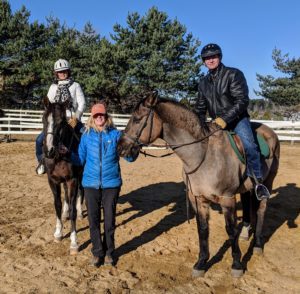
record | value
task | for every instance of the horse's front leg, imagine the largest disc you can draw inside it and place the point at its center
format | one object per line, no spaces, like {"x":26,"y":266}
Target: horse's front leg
{"x":201,"y":207}
{"x":72,"y":192}
{"x":56,"y":190}
{"x":229,"y":211}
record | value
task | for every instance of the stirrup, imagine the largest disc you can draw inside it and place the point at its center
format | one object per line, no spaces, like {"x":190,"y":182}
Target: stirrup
{"x":261,"y":192}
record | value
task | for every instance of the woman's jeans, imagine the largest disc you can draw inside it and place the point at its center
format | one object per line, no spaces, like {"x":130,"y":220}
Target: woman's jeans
{"x":244,"y":131}
{"x":108,"y":198}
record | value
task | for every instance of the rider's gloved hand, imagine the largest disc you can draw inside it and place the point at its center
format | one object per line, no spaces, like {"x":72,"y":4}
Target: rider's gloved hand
{"x":72,"y":122}
{"x":220,"y":122}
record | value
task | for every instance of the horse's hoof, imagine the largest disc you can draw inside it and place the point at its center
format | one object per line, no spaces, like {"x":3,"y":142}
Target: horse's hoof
{"x":57,"y":239}
{"x":198,"y":273}
{"x":237,"y":273}
{"x":257,"y":250}
{"x":74,"y":251}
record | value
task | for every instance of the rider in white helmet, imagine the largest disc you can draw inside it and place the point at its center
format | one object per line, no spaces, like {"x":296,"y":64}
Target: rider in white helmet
{"x":64,"y":88}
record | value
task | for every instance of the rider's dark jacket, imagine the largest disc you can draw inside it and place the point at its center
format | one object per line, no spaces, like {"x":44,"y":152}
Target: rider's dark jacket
{"x":223,"y":93}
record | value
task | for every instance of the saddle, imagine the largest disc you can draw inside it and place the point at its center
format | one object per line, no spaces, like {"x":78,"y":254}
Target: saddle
{"x":238,"y":148}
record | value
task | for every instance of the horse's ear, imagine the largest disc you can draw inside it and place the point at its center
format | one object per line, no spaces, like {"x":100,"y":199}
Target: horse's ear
{"x":46,"y":102}
{"x":152,"y":99}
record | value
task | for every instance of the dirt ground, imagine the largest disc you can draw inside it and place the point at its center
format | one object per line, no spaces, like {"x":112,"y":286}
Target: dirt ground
{"x":156,"y":245}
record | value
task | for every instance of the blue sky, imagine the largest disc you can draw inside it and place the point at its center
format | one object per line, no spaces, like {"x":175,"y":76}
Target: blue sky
{"x":247,"y":30}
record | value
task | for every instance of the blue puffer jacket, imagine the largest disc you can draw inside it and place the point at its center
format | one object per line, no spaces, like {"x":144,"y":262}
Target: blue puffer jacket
{"x":98,"y":153}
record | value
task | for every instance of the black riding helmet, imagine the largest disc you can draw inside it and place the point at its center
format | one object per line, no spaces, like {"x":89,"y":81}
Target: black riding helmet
{"x":211,"y":50}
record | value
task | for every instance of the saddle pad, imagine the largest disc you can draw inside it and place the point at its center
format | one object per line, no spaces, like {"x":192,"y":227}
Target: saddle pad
{"x":262,"y":144}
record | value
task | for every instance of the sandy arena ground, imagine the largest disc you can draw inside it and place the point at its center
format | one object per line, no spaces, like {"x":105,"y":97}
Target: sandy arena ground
{"x":155,"y":244}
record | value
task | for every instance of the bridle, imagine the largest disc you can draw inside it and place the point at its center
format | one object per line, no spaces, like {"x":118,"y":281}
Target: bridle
{"x":55,"y":151}
{"x":135,"y":139}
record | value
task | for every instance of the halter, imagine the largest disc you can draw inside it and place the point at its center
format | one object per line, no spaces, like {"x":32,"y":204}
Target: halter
{"x":135,"y":139}
{"x":56,"y":149}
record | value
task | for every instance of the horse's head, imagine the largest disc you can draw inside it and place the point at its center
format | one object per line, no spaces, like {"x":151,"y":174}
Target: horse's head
{"x":144,"y":127}
{"x":56,"y":129}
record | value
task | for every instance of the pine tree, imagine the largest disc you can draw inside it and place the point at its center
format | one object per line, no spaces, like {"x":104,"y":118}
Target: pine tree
{"x":154,"y":52}
{"x":284,"y":90}
{"x":22,"y":53}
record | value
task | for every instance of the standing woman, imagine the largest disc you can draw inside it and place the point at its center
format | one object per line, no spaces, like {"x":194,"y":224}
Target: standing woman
{"x":64,"y":88}
{"x":101,"y":180}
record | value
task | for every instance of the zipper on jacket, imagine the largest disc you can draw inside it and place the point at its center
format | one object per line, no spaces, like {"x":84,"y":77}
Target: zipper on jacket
{"x":100,"y":155}
{"x":214,"y":86}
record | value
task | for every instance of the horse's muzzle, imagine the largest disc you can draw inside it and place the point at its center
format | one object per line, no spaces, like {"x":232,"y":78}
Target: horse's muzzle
{"x":127,"y":148}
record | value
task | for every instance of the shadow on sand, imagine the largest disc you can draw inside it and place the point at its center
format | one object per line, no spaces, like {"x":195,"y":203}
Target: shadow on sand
{"x":282,"y":208}
{"x":148,"y":199}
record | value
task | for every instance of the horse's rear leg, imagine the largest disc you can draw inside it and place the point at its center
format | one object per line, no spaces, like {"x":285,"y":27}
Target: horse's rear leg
{"x":247,"y":216}
{"x":261,"y":207}
{"x":72,"y":189}
{"x":56,"y":190}
{"x":79,"y":203}
{"x":66,"y":210}
{"x":229,"y":211}
{"x":201,"y":208}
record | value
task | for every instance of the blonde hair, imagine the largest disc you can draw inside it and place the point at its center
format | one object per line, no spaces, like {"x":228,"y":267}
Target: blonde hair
{"x":90,"y":124}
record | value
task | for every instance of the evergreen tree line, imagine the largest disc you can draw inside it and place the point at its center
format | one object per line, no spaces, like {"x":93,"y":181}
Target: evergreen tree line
{"x":151,"y":52}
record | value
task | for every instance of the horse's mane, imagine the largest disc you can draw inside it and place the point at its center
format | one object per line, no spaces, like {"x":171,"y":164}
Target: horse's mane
{"x":182,"y":117}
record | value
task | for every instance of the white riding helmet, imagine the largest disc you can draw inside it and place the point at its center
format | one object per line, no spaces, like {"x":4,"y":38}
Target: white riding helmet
{"x":61,"y":64}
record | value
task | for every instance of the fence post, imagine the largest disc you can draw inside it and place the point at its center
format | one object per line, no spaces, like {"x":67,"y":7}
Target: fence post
{"x":9,"y":134}
{"x":293,"y":129}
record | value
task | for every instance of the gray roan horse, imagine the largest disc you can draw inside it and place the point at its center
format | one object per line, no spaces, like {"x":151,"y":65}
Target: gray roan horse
{"x":59,"y":140}
{"x":211,"y":168}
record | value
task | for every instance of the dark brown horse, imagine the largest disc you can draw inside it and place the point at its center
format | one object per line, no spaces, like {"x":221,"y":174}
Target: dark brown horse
{"x":211,"y":168}
{"x":59,"y":140}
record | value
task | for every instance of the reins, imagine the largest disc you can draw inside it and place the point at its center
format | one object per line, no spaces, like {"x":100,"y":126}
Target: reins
{"x":175,"y":146}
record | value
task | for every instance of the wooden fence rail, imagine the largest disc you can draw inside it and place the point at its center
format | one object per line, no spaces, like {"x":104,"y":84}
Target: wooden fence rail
{"x":29,"y":122}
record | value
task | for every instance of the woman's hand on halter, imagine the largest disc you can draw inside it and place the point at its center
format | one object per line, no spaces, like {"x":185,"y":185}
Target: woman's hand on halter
{"x":72,"y":122}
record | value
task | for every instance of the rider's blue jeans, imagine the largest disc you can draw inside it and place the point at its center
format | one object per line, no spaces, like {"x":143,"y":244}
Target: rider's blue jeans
{"x":244,"y":131}
{"x":39,"y":146}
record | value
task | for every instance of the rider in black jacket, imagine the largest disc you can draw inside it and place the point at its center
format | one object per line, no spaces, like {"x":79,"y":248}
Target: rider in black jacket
{"x":223,"y":92}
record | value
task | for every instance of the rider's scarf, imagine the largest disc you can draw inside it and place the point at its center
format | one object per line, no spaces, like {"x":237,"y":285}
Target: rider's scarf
{"x":62,"y":93}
